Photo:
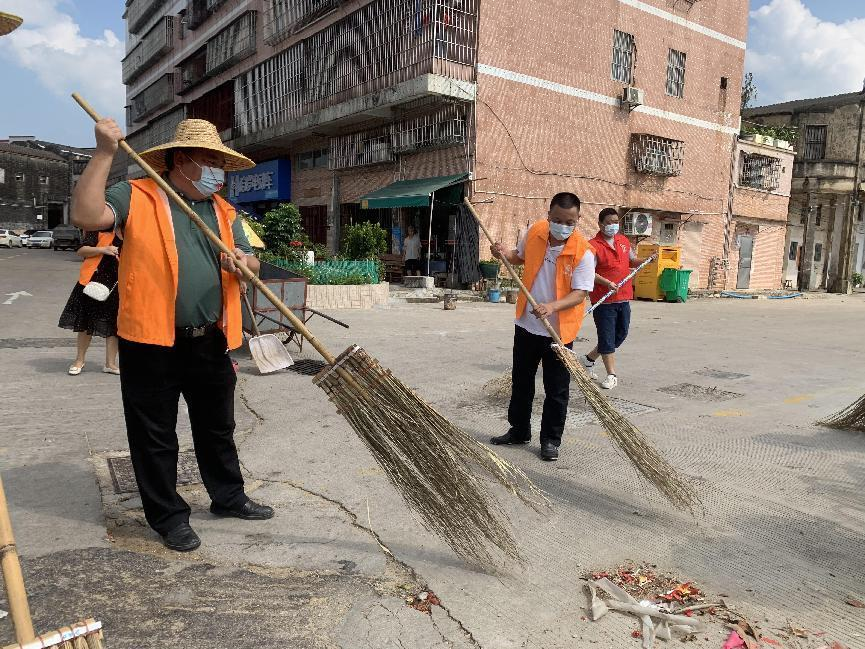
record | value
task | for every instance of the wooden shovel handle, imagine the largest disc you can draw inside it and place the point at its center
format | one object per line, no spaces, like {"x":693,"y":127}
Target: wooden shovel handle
{"x":12,"y":577}
{"x":249,"y":311}
{"x":516,"y":278}
{"x":298,"y":325}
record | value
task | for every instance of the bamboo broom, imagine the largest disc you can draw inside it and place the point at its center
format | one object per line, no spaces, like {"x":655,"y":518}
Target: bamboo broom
{"x":430,"y":461}
{"x":851,"y":418}
{"x":84,"y":635}
{"x":631,"y":442}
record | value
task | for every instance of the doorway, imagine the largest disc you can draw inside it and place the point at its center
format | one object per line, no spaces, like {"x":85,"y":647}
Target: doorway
{"x":746,"y":252}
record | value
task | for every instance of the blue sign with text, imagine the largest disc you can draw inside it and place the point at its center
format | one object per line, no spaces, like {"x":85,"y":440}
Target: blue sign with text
{"x":267,"y":181}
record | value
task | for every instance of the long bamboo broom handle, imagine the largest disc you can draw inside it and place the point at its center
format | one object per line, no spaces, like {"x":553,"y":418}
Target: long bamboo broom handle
{"x":214,"y":238}
{"x":12,"y":577}
{"x":513,"y":272}
{"x":621,"y":284}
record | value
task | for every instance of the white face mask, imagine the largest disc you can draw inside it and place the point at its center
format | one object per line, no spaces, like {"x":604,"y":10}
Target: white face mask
{"x":211,"y":181}
{"x":611,"y":230}
{"x":561,"y":231}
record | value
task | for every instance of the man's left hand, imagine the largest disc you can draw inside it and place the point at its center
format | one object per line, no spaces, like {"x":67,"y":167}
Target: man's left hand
{"x":544,"y":310}
{"x":231,"y":264}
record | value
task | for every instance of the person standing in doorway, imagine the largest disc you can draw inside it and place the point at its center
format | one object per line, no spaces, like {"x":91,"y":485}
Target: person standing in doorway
{"x":411,"y":252}
{"x":179,"y":316}
{"x":615,"y":259}
{"x":559,"y":272}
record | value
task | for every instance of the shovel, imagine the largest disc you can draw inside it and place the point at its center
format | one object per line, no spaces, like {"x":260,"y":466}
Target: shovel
{"x":268,"y":352}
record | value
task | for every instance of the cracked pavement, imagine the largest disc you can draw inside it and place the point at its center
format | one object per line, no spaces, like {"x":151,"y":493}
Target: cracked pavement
{"x":782,"y":537}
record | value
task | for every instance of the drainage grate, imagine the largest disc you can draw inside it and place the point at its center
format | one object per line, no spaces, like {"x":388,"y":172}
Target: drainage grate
{"x":307,"y":366}
{"x":720,"y":374}
{"x":699,"y":392}
{"x":123,"y":476}
{"x":21,"y":343}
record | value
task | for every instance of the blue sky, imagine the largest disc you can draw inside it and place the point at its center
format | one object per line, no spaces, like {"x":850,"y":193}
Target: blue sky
{"x":796,"y":48}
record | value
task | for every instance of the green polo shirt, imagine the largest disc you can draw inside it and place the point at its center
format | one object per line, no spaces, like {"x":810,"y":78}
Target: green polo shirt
{"x":199,"y":284}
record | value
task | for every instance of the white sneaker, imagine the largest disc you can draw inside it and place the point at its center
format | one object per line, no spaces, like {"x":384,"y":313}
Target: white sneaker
{"x":589,"y":365}
{"x":610,"y":382}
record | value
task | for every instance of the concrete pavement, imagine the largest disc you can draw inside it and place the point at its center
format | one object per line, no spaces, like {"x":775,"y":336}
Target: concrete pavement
{"x":728,"y":390}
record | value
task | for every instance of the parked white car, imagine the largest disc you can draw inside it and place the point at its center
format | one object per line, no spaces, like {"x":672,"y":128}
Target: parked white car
{"x":10,"y":239}
{"x":26,"y":235}
{"x":41,"y":239}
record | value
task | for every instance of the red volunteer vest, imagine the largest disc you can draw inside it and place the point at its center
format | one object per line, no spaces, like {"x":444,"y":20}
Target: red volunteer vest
{"x":614,"y":264}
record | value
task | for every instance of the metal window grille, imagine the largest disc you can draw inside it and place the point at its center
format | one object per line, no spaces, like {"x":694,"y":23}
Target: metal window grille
{"x":760,"y":172}
{"x":153,"y":97}
{"x":159,"y":131}
{"x":283,"y":18}
{"x":441,"y":128}
{"x":360,"y":149}
{"x":196,"y":13}
{"x":657,"y":155}
{"x":624,"y":57}
{"x":192,"y":71}
{"x":380,"y":45}
{"x":154,"y":44}
{"x":138,"y":13}
{"x":676,"y":73}
{"x":815,"y":142}
{"x":232,"y":44}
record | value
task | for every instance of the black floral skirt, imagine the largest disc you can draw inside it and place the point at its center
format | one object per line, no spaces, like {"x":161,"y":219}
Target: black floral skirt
{"x":85,"y":314}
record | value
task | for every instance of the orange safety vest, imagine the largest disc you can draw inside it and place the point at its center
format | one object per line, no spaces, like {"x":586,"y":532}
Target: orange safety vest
{"x":89,"y":265}
{"x":148,"y":270}
{"x":570,"y":320}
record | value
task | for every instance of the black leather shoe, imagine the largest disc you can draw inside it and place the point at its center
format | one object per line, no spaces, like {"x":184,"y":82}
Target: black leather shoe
{"x":549,"y":452}
{"x":249,"y":511}
{"x":509,"y":438}
{"x":181,"y":539}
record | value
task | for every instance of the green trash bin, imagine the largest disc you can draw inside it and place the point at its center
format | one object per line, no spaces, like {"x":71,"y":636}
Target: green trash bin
{"x":674,"y":283}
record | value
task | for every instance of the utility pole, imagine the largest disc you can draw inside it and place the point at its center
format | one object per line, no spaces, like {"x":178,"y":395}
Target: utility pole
{"x":845,"y":255}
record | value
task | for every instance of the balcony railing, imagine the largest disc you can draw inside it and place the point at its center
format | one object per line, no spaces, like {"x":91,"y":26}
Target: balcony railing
{"x":232,"y":44}
{"x":444,"y":127}
{"x":380,"y":45}
{"x":191,"y":72}
{"x":760,"y":172}
{"x":153,"y":97}
{"x":159,"y":131}
{"x":139,"y":12}
{"x":360,"y":149}
{"x":283,"y":18}
{"x":656,"y":155}
{"x":153,"y":45}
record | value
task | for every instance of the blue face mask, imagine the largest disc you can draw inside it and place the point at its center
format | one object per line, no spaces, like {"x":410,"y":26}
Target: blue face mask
{"x":561,"y":231}
{"x":211,"y":181}
{"x":611,"y":230}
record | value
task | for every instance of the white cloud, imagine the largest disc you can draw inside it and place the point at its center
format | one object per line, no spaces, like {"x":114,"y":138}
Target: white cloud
{"x":50,"y":44}
{"x":794,"y":55}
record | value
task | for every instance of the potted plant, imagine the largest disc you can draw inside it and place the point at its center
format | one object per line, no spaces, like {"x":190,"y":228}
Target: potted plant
{"x":856,"y":278}
{"x":489,"y":268}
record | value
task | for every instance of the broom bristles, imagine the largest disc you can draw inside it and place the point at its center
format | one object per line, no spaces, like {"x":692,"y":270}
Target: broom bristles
{"x":851,"y":418}
{"x":430,"y":461}
{"x":630,"y":441}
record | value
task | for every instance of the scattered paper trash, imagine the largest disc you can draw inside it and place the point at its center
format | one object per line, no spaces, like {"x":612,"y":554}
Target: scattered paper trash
{"x":734,"y":641}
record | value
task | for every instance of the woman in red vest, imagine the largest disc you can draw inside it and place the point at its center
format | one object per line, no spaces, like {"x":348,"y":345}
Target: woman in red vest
{"x":615,"y":258}
{"x":559,"y":272}
{"x":88,"y":316}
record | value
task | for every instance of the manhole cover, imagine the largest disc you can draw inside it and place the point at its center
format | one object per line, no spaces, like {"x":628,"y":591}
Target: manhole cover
{"x":720,"y":374}
{"x":307,"y":366}
{"x":123,"y":476}
{"x":21,"y":343}
{"x":699,"y":392}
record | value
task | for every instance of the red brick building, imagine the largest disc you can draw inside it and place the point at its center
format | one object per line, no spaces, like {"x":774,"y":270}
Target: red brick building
{"x":509,"y":101}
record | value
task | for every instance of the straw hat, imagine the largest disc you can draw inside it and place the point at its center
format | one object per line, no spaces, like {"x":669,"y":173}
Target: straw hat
{"x":196,"y":134}
{"x":8,"y":23}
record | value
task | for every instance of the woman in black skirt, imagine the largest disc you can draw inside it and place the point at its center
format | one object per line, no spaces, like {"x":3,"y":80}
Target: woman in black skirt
{"x":87,"y":316}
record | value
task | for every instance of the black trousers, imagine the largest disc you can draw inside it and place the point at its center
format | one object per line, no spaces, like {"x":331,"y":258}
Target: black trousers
{"x":529,"y":351}
{"x":152,"y":378}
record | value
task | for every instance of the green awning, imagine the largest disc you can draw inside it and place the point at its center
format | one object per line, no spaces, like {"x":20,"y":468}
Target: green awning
{"x":409,"y":193}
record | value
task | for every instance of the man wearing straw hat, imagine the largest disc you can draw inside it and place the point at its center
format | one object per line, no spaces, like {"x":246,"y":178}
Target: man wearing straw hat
{"x":179,"y":316}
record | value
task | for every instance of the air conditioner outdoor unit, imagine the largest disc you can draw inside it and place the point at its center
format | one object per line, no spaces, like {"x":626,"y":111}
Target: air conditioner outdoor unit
{"x":632,"y":97}
{"x":638,"y":224}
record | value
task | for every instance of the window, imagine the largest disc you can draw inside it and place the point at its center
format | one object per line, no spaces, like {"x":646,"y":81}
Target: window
{"x":676,"y":73}
{"x":815,"y":142}
{"x":3,"y":178}
{"x":858,"y":215}
{"x":818,"y":213}
{"x":624,"y":55}
{"x":657,"y":155}
{"x":760,"y":172}
{"x":818,"y":251}
{"x":794,"y":248}
{"x":43,"y":179}
{"x":317,"y":159}
{"x":19,"y":176}
{"x":723,"y":83}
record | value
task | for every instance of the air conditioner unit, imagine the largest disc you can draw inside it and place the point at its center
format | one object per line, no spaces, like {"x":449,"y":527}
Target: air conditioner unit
{"x":632,"y":97}
{"x":638,"y":224}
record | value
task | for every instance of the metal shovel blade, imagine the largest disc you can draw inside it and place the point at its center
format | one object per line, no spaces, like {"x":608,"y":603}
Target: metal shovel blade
{"x":269,"y":353}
